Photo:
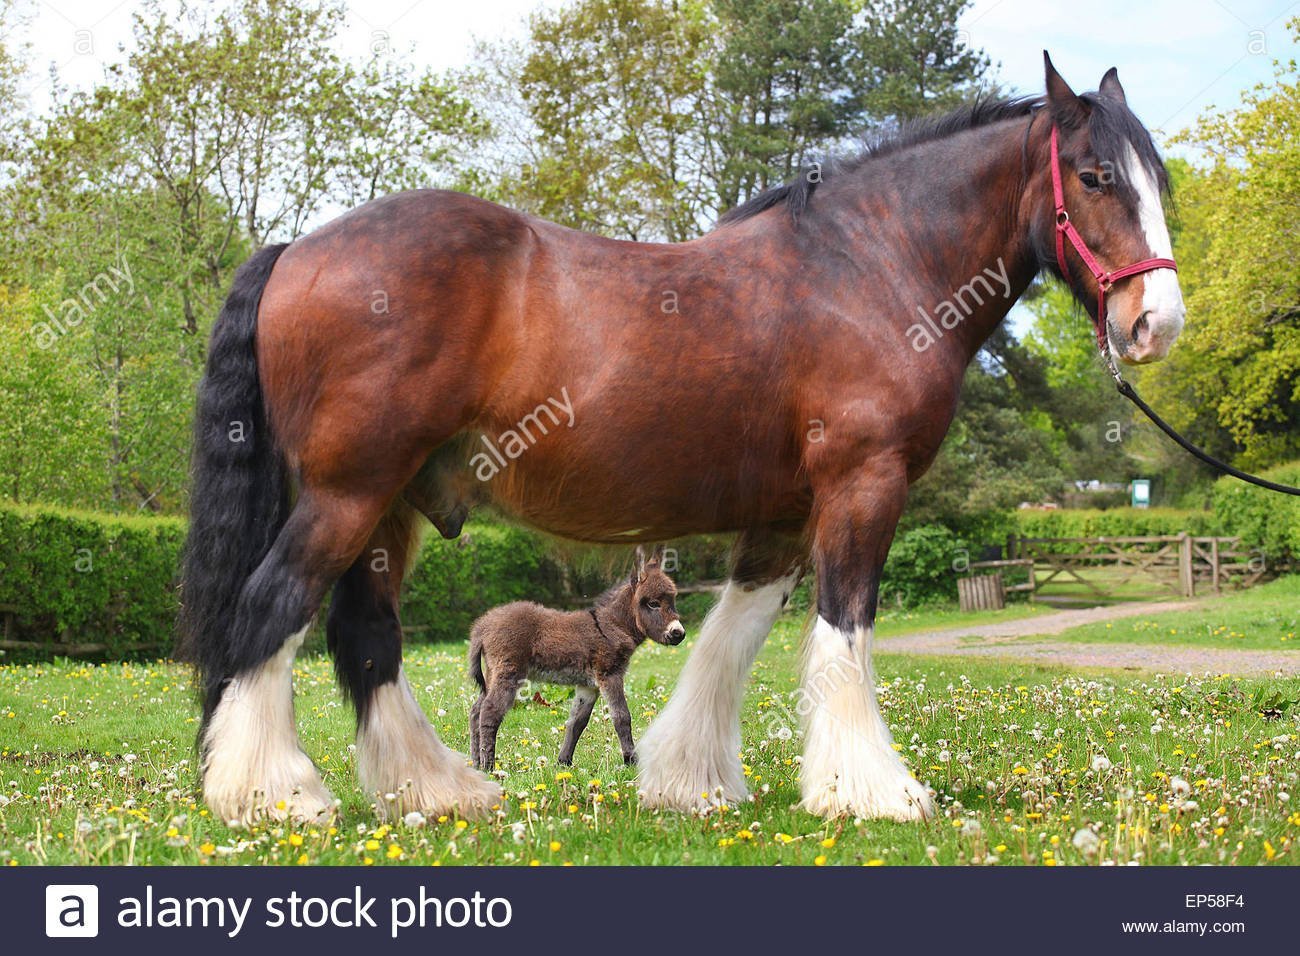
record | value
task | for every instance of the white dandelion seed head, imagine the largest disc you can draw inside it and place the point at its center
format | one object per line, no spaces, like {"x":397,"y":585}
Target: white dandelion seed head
{"x":1085,"y":841}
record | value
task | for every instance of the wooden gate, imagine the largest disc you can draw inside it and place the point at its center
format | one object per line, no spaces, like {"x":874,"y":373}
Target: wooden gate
{"x":1169,"y":564}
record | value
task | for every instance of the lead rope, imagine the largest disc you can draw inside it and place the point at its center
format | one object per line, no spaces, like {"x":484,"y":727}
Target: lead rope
{"x":1129,"y":392}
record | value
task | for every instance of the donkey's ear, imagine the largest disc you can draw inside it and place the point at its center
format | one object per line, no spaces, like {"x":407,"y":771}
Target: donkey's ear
{"x":1110,"y":86}
{"x":1067,"y":110}
{"x":658,"y":556}
{"x":638,"y":565}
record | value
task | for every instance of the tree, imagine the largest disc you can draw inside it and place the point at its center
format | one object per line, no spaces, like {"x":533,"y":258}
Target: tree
{"x":218,"y":132}
{"x":915,"y":61}
{"x":785,"y":79}
{"x":645,"y":119}
{"x":614,"y":89}
{"x":1233,"y":379}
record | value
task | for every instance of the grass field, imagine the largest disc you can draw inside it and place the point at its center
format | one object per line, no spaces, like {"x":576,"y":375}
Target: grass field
{"x":1266,"y":617}
{"x":1031,"y":766}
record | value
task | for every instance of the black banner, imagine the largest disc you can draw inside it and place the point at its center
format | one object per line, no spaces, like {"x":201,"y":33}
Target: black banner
{"x":214,"y":909}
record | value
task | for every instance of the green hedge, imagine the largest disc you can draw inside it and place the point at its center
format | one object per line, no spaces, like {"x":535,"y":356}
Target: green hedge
{"x":1262,"y":518}
{"x":80,"y":578}
{"x":921,"y":568}
{"x":75,"y":577}
{"x":1113,"y":522}
{"x":455,"y":581}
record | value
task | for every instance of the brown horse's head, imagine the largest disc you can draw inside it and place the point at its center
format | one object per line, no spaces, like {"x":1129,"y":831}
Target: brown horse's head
{"x":654,"y":600}
{"x":1113,"y":182}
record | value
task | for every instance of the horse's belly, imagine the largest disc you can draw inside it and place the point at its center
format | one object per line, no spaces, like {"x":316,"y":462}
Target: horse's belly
{"x":605,"y":503}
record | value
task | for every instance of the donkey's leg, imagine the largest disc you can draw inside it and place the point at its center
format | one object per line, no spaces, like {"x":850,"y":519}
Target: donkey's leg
{"x":401,"y":762}
{"x":612,"y":688}
{"x":849,"y":762}
{"x":253,"y":764}
{"x":584,"y":699}
{"x":473,"y":728}
{"x":690,"y":754}
{"x":501,"y":692}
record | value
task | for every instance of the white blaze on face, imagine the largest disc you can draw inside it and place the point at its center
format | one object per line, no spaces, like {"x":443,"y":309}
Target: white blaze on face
{"x":1162,"y":299}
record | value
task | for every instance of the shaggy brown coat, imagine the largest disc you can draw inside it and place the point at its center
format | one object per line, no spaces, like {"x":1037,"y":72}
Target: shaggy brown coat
{"x":589,"y":650}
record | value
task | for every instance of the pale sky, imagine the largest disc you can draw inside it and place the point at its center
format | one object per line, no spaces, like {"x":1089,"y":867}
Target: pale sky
{"x":1177,"y":58}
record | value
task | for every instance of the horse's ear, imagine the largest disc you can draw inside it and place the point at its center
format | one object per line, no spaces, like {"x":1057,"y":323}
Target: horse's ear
{"x":1110,"y":86}
{"x":1068,"y":111}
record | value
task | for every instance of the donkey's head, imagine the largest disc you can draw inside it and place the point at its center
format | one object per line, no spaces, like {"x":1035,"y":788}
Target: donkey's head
{"x":654,"y":600}
{"x":1111,"y":183}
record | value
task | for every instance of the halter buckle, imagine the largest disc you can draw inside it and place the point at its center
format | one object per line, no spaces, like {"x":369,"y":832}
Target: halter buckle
{"x":1062,"y":219}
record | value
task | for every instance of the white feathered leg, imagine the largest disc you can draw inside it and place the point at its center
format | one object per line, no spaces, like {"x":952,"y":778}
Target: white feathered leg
{"x":399,"y":754}
{"x":690,"y":754}
{"x":253,"y":764}
{"x":849,"y":762}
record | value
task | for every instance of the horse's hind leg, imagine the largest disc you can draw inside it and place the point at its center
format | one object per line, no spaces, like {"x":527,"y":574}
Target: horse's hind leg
{"x":253,"y":764}
{"x":690,"y":753}
{"x":401,"y":761}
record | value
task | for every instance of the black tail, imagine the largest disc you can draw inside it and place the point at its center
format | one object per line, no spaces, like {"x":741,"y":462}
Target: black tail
{"x":238,"y":492}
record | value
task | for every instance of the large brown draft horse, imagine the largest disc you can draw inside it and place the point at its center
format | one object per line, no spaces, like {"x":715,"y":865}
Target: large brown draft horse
{"x":785,"y":376}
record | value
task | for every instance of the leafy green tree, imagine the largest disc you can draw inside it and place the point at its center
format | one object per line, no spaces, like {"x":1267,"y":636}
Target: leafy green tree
{"x":1000,"y":451}
{"x":598,"y":119}
{"x":1233,"y":379}
{"x":915,"y":61}
{"x":219,"y":131}
{"x":785,"y":77}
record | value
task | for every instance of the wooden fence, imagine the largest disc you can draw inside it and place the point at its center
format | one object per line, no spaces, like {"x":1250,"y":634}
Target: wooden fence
{"x":1178,"y":564}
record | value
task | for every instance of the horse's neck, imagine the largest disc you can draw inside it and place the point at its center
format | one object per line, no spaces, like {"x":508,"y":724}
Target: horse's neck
{"x":950,"y":212}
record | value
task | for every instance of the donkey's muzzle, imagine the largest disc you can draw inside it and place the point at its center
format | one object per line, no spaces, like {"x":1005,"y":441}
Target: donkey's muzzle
{"x":676,"y":633}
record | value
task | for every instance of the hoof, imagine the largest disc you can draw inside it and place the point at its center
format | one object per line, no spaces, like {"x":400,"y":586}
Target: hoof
{"x":453,"y":789}
{"x":884,"y":790}
{"x":292,"y":792}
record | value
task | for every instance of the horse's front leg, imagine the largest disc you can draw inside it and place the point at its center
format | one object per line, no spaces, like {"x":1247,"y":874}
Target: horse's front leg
{"x":849,"y":762}
{"x":690,"y":753}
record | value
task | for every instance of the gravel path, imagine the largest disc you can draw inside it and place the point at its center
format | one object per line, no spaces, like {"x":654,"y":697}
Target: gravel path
{"x":1002,"y":639}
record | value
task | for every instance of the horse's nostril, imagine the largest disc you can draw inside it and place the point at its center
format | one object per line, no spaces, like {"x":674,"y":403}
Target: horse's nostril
{"x":1140,"y":326}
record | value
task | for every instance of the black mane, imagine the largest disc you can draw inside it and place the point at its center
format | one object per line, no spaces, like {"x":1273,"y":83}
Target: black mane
{"x":1112,"y":127}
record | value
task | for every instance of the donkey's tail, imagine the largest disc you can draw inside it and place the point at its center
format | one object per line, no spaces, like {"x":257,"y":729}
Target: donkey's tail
{"x":239,"y":489}
{"x":476,"y":661}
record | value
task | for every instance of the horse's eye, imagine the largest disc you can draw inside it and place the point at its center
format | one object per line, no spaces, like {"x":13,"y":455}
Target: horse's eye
{"x":652,"y":605}
{"x":1090,"y":180}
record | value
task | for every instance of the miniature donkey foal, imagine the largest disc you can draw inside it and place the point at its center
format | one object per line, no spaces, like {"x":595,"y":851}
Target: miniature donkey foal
{"x":587,"y":649}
